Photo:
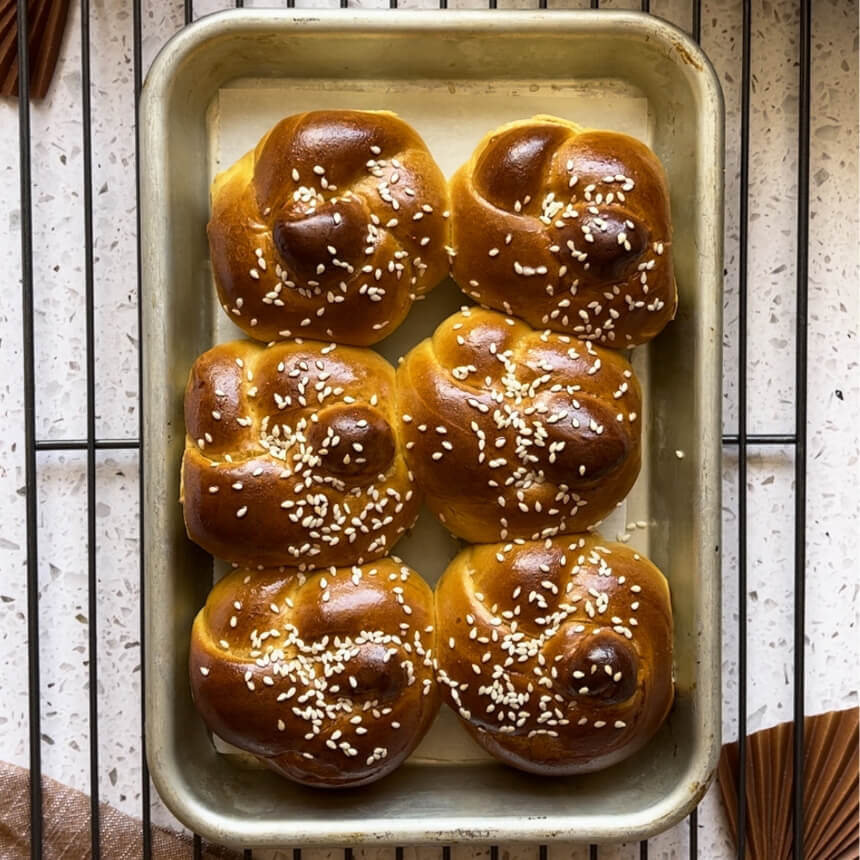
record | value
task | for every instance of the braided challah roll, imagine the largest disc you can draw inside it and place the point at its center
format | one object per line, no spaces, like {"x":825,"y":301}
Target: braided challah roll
{"x":327,"y":677}
{"x":516,"y":433}
{"x":567,"y":228}
{"x":557,"y":655}
{"x":294,"y":455}
{"x":329,"y":228}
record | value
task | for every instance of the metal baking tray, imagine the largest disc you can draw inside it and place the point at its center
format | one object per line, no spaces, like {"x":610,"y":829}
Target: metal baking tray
{"x":213,"y":90}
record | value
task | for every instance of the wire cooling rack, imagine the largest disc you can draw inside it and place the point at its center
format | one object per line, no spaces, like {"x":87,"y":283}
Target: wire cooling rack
{"x":726,"y":27}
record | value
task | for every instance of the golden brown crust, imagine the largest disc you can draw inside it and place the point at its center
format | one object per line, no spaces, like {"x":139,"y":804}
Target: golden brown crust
{"x":567,"y":228}
{"x":512,"y":432}
{"x":329,"y":228}
{"x":326,"y":677}
{"x":557,"y":655}
{"x":293,"y":455}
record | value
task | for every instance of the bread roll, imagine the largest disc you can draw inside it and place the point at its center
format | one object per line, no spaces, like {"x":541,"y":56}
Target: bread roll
{"x":567,"y":228}
{"x":512,"y":432}
{"x":557,"y":655}
{"x":294,"y":455}
{"x":327,"y":678}
{"x":329,"y":228}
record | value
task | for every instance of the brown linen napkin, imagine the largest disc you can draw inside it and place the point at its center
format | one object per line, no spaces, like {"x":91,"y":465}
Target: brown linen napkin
{"x":66,"y":826}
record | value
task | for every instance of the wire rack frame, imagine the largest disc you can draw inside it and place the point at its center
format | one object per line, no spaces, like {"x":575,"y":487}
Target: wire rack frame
{"x":741,"y":441}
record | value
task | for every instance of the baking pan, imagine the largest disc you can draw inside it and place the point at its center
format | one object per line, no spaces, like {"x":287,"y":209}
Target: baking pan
{"x":213,"y":90}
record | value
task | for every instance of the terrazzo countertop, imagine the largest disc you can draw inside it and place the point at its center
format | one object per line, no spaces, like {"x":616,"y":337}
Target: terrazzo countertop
{"x":834,"y":397}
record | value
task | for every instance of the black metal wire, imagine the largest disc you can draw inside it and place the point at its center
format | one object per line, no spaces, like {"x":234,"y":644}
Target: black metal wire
{"x":746,"y":439}
{"x":743,"y":257}
{"x":801,"y":333}
{"x":247,"y":854}
{"x":146,"y":810}
{"x":694,"y":834}
{"x":543,"y":852}
{"x":197,"y":847}
{"x":592,"y":852}
{"x":398,"y":853}
{"x":92,"y":550}
{"x":30,"y":475}
{"x":696,"y":29}
{"x":132,"y":444}
{"x":82,"y":444}
{"x":92,"y":444}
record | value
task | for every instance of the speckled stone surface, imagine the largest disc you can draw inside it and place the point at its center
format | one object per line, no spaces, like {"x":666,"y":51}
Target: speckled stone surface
{"x":834,"y":397}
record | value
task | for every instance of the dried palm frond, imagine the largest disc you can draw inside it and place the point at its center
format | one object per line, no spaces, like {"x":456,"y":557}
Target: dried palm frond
{"x":46,"y":23}
{"x":831,"y":826}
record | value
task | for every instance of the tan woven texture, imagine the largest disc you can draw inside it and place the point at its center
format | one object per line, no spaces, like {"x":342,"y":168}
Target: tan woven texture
{"x":66,"y":825}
